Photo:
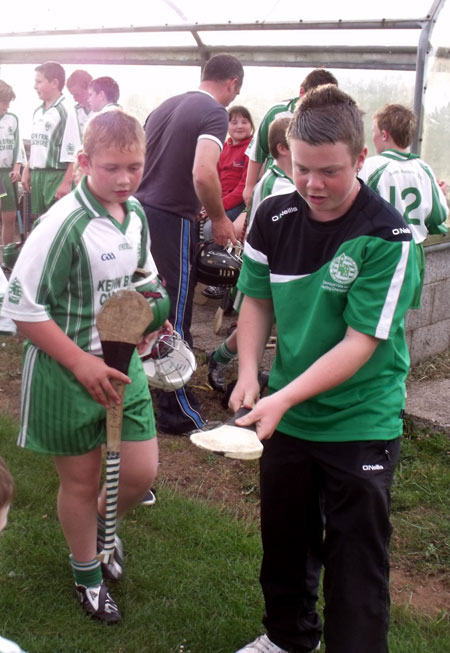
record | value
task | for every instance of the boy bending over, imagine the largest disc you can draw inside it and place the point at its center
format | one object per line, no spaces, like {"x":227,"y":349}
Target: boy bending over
{"x":88,"y":243}
{"x":336,"y":265}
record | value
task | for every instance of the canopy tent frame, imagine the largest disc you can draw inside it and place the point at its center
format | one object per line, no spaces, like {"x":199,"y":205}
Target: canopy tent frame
{"x":407,"y":58}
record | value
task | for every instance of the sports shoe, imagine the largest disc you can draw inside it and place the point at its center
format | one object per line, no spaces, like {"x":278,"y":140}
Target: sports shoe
{"x":98,"y":603}
{"x":213,"y":292}
{"x":149,"y":498}
{"x":262,"y":644}
{"x":113,"y":570}
{"x":216,"y":373}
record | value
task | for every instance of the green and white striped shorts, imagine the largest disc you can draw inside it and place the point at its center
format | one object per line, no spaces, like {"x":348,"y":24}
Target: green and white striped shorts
{"x":59,"y":417}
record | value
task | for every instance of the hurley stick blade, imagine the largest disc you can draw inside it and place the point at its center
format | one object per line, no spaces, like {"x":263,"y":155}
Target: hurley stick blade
{"x":124,"y":317}
{"x":230,"y":440}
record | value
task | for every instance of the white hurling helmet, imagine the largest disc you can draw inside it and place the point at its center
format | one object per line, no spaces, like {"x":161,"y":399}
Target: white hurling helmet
{"x":168,"y":362}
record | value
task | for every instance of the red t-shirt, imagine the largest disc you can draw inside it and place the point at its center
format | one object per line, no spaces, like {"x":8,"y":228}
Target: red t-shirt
{"x":232,"y":169}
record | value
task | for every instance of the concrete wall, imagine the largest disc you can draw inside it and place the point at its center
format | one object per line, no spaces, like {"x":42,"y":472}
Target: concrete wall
{"x":428,"y":329}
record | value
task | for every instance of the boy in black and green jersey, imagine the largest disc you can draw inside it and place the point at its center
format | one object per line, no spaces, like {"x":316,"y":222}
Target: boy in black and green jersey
{"x":335,"y":264}
{"x":85,"y":248}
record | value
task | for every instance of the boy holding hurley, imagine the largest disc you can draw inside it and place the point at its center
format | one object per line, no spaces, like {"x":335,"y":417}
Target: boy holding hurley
{"x":90,"y":242}
{"x":336,"y":265}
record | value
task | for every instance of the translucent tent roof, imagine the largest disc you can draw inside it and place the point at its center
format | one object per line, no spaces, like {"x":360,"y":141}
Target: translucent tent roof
{"x":186,"y":32}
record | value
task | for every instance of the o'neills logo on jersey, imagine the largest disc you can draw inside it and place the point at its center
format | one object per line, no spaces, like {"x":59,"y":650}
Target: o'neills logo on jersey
{"x":290,"y":209}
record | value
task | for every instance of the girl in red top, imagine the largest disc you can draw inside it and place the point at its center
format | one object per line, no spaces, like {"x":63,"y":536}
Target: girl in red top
{"x":233,"y":161}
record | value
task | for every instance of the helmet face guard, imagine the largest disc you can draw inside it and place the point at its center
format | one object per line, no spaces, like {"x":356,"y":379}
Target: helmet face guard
{"x":168,"y":362}
{"x":218,"y":266}
{"x":151,"y":287}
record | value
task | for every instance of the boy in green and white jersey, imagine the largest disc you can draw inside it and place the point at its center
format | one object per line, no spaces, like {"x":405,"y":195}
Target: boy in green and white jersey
{"x":55,"y":140}
{"x":12,"y":156}
{"x":78,"y":85}
{"x":86,"y":247}
{"x":404,"y":180}
{"x":103,"y":94}
{"x":258,"y":151}
{"x":335,"y":265}
{"x":276,"y":180}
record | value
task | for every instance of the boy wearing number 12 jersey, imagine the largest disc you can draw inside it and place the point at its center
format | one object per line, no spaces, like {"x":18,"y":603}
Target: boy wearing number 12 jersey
{"x":404,"y":180}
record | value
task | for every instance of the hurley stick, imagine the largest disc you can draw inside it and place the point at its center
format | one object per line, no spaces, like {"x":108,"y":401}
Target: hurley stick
{"x":120,"y":323}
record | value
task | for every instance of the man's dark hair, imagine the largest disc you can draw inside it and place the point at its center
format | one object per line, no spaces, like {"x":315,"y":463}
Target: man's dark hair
{"x":328,"y":115}
{"x":108,"y":85}
{"x":80,"y":78}
{"x":53,"y":70}
{"x":318,"y":77}
{"x":222,"y":67}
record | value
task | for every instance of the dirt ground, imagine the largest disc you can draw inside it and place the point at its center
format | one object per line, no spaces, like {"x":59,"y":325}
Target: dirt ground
{"x":230,"y":484}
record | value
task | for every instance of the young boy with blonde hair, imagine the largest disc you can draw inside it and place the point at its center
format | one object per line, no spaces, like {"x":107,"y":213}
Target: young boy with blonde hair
{"x":85,"y":247}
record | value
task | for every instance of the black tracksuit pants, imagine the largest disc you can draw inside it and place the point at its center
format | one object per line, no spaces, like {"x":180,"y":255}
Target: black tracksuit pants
{"x":327,"y":501}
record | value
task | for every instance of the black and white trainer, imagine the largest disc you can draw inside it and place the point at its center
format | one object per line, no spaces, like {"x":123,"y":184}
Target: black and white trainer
{"x":113,"y":570}
{"x":98,"y":603}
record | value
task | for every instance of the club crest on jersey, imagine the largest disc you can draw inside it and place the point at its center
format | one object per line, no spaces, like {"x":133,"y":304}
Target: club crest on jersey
{"x":15,"y":291}
{"x":343,"y":271}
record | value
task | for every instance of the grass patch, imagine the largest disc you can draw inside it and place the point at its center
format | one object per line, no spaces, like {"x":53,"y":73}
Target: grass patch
{"x":191,"y":577}
{"x":421,"y":503}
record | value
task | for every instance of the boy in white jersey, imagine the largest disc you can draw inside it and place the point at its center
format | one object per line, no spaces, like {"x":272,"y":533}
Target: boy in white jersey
{"x":12,"y":155}
{"x":335,"y":265}
{"x":55,"y":140}
{"x":404,"y":180}
{"x":78,"y":86}
{"x":103,"y":94}
{"x":87,"y":246}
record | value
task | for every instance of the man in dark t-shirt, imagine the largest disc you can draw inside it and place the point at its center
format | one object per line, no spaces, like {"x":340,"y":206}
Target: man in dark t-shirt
{"x":185,"y":135}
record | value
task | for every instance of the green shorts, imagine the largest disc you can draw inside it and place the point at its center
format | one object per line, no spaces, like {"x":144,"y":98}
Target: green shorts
{"x":44,"y":184}
{"x":9,"y":201}
{"x":59,"y":416}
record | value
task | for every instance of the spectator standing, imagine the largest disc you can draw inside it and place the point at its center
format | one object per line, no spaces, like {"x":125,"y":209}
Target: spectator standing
{"x":185,"y":136}
{"x":12,"y":156}
{"x":55,"y":140}
{"x":78,"y":85}
{"x":258,"y":151}
{"x":103,"y":94}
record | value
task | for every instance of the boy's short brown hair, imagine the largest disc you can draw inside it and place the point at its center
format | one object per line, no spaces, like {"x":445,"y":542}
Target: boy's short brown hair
{"x":53,"y":70}
{"x":108,"y":85}
{"x":399,"y":121}
{"x":113,"y":128}
{"x":318,"y":77}
{"x":277,"y":135}
{"x":6,"y":92}
{"x":6,"y":485}
{"x":328,"y":115}
{"x":79,"y":78}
